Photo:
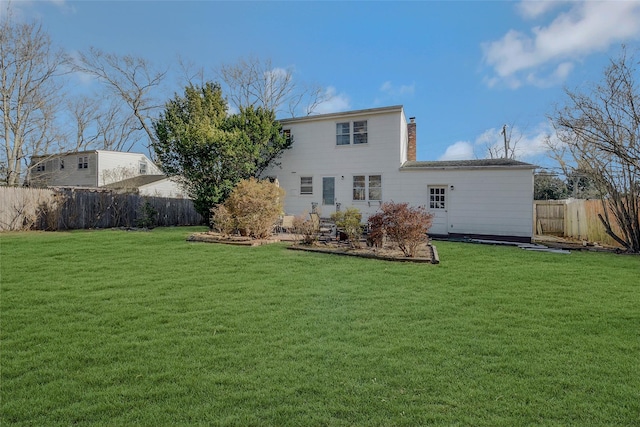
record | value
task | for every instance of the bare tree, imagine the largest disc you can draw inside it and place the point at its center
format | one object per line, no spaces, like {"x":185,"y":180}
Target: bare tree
{"x":507,"y":146}
{"x":30,"y":90}
{"x":132,"y":79}
{"x":101,"y":122}
{"x":255,"y":82}
{"x":600,"y":129}
{"x":83,"y":111}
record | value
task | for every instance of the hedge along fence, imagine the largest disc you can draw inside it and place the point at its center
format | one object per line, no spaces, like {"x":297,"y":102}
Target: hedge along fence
{"x":67,"y":208}
{"x":574,"y":218}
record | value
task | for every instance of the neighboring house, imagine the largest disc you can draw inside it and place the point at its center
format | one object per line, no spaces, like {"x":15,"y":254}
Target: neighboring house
{"x":367,"y":157}
{"x":99,"y":168}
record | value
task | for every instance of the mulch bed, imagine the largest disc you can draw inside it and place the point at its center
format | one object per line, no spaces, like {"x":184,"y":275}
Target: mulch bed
{"x":211,"y":237}
{"x":427,"y":253}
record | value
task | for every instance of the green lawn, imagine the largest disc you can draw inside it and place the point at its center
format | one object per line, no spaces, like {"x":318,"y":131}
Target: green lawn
{"x":144,"y":328}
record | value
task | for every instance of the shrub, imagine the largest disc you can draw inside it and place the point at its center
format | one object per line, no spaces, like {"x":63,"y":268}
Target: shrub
{"x":305,"y":229}
{"x":349,"y":221}
{"x":255,"y":206}
{"x":222,"y":221}
{"x":147,"y":215}
{"x":405,"y":226}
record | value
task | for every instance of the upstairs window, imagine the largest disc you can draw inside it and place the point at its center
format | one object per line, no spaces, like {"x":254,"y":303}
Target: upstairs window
{"x":360,"y":132}
{"x":142,"y":168}
{"x":348,"y":133}
{"x":306,"y":185}
{"x":83,"y":162}
{"x":61,"y":164}
{"x":40,"y":167}
{"x":343,"y":133}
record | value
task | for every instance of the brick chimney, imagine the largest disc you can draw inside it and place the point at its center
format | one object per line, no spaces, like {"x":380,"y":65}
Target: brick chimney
{"x":411,"y":133}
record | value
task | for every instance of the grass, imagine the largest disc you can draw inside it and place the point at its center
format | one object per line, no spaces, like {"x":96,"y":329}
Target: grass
{"x":133,"y":328}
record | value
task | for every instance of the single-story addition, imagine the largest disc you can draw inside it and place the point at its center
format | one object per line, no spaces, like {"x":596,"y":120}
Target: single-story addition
{"x":364,"y":158}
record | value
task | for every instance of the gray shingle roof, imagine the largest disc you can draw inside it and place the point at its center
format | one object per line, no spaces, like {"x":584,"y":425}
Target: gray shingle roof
{"x":466,"y":164}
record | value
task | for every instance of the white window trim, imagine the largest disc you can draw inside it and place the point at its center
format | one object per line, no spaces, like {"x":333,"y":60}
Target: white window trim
{"x":307,"y":185}
{"x":83,"y":162}
{"x":367,"y":177}
{"x":352,"y":133}
{"x":438,"y":200}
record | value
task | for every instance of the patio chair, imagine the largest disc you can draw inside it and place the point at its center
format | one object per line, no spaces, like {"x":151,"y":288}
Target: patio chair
{"x":286,"y":226}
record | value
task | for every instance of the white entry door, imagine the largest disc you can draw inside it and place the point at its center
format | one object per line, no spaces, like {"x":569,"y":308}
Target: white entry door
{"x":438,"y":207}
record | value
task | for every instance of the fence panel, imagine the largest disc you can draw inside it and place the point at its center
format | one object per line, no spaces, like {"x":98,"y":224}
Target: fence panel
{"x":576,"y":221}
{"x":573,"y":218}
{"x":549,"y":217}
{"x":67,"y":209}
{"x":19,"y":206}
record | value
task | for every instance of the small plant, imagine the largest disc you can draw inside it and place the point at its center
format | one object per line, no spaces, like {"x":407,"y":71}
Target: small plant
{"x":402,"y":224}
{"x":222,"y":221}
{"x":305,"y":228}
{"x":349,"y":221}
{"x":148,"y":214}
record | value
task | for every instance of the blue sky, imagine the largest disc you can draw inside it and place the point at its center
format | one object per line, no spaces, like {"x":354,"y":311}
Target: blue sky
{"x":463,"y":69}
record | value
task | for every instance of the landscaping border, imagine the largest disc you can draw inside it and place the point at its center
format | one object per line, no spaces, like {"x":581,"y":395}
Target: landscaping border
{"x":350,"y":252}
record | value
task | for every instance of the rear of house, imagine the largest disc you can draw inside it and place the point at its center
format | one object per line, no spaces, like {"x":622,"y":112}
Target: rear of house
{"x":364,"y":158}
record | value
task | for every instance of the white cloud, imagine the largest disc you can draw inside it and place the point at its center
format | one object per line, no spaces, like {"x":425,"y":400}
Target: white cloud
{"x":585,"y":28}
{"x":461,"y":150}
{"x":536,"y":8}
{"x":557,"y":77}
{"x":84,"y":79}
{"x":529,"y":146}
{"x":335,"y":102}
{"x":392,"y":90}
{"x":24,"y":8}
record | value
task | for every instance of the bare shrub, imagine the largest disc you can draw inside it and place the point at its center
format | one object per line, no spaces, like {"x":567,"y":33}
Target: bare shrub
{"x":402,"y":224}
{"x":305,"y":229}
{"x":256,"y":207}
{"x":49,"y":212}
{"x":222,"y":221}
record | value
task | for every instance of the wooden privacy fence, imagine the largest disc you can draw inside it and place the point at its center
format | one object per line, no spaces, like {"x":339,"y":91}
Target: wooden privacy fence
{"x":572,"y":218}
{"x":66,"y":209}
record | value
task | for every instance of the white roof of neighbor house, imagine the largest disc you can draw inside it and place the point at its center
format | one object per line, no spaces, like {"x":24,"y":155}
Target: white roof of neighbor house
{"x":137,"y":181}
{"x":313,"y":117}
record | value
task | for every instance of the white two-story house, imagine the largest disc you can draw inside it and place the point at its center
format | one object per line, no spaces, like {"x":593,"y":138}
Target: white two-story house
{"x":364,"y":158}
{"x":103,"y":168}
